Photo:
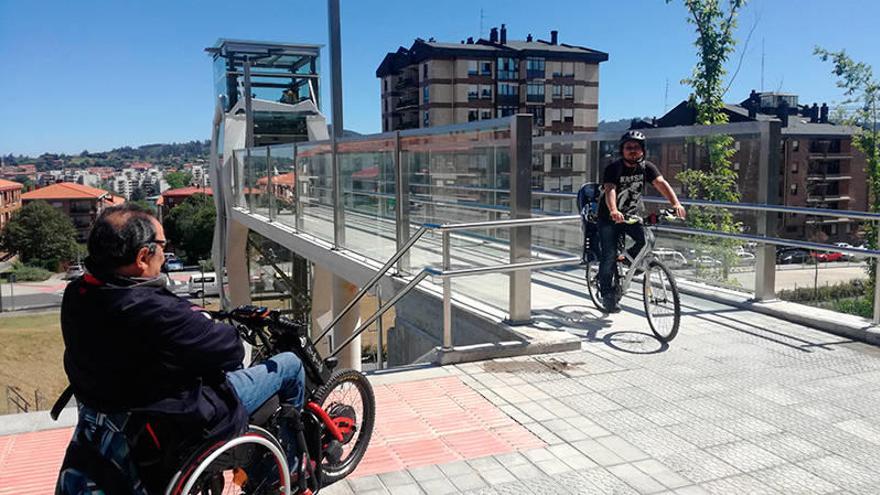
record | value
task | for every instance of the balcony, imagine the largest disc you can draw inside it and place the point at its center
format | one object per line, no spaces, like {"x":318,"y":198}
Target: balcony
{"x":404,"y":83}
{"x":407,"y":104}
{"x":535,"y":74}
{"x":508,"y":99}
{"x":825,"y":198}
{"x":828,"y":177}
{"x":838,"y":155}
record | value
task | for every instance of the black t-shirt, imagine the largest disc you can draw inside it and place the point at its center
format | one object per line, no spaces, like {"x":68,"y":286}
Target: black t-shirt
{"x":630,"y":184}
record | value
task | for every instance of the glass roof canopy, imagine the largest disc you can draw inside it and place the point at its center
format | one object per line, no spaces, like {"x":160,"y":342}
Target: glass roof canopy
{"x":280,"y":72}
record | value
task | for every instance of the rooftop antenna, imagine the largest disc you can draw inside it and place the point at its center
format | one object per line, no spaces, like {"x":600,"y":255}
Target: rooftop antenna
{"x":666,"y":97}
{"x":481,"y":22}
{"x":762,"y":64}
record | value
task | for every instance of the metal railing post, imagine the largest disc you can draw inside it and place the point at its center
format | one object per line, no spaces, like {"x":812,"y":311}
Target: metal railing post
{"x":401,"y":190}
{"x":447,"y":295}
{"x":768,"y":193}
{"x":520,"y":302}
{"x":877,"y":285}
{"x":338,"y":207}
{"x":379,"y":339}
{"x":297,"y":191}
{"x":269,"y":190}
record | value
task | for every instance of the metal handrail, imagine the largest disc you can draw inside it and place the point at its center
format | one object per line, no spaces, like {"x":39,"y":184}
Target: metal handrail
{"x":538,"y":265}
{"x":369,"y":285}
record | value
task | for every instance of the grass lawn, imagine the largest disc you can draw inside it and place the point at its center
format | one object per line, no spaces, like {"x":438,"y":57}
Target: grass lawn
{"x":31,"y":350}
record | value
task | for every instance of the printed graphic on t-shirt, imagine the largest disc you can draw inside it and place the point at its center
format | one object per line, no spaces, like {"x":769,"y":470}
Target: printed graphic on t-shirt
{"x":630,"y":184}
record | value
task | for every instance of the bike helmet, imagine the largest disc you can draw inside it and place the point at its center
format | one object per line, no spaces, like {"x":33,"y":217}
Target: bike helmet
{"x":632,"y":136}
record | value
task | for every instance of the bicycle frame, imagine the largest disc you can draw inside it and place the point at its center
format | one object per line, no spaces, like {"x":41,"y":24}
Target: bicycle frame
{"x":643,"y":257}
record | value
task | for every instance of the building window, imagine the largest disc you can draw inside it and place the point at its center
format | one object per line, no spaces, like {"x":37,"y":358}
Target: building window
{"x":425,"y":71}
{"x":794,"y":167}
{"x":555,"y":115}
{"x":567,"y":162}
{"x":736,"y":166}
{"x":535,"y":92}
{"x":568,"y":91}
{"x":426,"y":120}
{"x":473,"y":114}
{"x":473,"y":92}
{"x":426,"y":94}
{"x":485,"y":114}
{"x":555,"y":164}
{"x":507,"y":89}
{"x":567,"y":69}
{"x":485,"y":68}
{"x":507,"y":69}
{"x":506,"y":111}
{"x":473,"y":69}
{"x":795,"y":145}
{"x":386,"y":84}
{"x":535,"y":68}
{"x":557,"y":91}
{"x":794,"y":188}
{"x":568,"y":115}
{"x":485,"y":92}
{"x":538,"y":112}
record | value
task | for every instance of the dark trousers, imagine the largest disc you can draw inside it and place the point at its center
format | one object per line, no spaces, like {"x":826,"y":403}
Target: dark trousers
{"x":608,"y":235}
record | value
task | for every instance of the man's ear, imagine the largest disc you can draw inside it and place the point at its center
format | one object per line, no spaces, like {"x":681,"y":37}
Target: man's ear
{"x":142,"y":261}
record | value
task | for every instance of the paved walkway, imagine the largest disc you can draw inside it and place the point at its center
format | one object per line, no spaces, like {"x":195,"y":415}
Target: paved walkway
{"x":738,"y":403}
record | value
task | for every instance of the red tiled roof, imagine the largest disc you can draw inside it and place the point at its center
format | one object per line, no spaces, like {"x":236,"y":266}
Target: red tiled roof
{"x":287,"y":179}
{"x":65,"y":190}
{"x":187,"y":191}
{"x":6,"y":185}
{"x":367,"y":173}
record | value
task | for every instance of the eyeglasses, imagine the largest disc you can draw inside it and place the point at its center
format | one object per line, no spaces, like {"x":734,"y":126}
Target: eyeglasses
{"x":160,"y":242}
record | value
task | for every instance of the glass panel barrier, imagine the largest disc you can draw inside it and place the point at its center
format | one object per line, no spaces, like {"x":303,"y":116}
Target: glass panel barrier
{"x":369,"y":196}
{"x":314,"y":164}
{"x":238,"y":174}
{"x":257,"y":185}
{"x":283,"y":190}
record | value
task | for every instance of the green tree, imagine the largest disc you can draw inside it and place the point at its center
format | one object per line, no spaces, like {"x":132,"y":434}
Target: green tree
{"x":179,"y":179}
{"x":714,"y":26}
{"x":863,"y":91}
{"x":41,"y":235}
{"x":143,"y":203}
{"x":189,"y":227}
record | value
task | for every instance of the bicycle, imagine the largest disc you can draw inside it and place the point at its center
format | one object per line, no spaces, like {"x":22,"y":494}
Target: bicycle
{"x":659,"y":290}
{"x":332,"y":432}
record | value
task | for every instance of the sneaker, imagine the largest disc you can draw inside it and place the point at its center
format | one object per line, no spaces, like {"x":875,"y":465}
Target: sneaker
{"x":610,"y":304}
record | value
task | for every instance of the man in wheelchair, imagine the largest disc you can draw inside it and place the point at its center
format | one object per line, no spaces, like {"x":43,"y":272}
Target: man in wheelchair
{"x":155,"y":378}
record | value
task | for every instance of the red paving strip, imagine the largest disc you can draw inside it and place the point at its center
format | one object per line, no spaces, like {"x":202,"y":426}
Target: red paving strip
{"x":419,"y":423}
{"x":435,"y":422}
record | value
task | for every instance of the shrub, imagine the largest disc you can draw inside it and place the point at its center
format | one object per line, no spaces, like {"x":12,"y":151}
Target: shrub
{"x":25,"y":273}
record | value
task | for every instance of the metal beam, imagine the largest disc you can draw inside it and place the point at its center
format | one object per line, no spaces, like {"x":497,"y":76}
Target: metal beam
{"x":520,"y":299}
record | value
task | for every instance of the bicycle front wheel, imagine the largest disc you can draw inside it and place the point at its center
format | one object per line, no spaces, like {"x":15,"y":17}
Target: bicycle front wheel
{"x":348,"y":399}
{"x":592,"y":276}
{"x":662,"y":305}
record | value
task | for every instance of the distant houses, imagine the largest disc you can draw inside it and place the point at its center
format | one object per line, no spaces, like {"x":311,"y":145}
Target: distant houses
{"x":82,"y":204}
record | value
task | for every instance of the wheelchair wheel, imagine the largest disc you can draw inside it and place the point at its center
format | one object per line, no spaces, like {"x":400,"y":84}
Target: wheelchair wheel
{"x":252,"y":463}
{"x":348,"y":398}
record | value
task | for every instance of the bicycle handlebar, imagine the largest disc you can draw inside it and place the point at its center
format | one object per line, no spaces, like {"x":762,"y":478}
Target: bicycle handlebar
{"x":261,"y":316}
{"x":666,"y":215}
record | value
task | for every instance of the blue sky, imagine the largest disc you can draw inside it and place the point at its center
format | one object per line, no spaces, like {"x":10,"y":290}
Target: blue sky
{"x":98,"y":74}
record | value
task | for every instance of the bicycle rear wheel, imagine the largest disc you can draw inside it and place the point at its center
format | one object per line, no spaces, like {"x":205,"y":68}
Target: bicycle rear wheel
{"x":348,"y":399}
{"x":662,"y":305}
{"x":592,"y":276}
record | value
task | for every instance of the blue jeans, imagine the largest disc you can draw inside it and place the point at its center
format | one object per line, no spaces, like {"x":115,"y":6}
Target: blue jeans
{"x":281,"y":374}
{"x":608,"y":235}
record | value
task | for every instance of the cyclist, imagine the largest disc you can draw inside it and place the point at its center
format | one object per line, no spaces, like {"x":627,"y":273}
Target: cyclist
{"x":135,"y":350}
{"x":622,"y":185}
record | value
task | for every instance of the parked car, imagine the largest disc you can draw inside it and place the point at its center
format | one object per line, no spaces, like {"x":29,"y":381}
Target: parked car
{"x":172,"y":265}
{"x":706,"y":261}
{"x":74,"y":271}
{"x":671,"y":257}
{"x":745,"y":257}
{"x":204,"y":285}
{"x":792,"y":256}
{"x":826,"y":256}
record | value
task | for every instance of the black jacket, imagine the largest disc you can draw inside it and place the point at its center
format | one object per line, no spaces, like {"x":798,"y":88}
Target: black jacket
{"x":137,"y":347}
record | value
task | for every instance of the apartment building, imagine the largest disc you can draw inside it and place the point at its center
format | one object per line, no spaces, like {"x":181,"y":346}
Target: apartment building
{"x":819,"y":166}
{"x":434,"y":83}
{"x":10,"y":200}
{"x":82,"y":204}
